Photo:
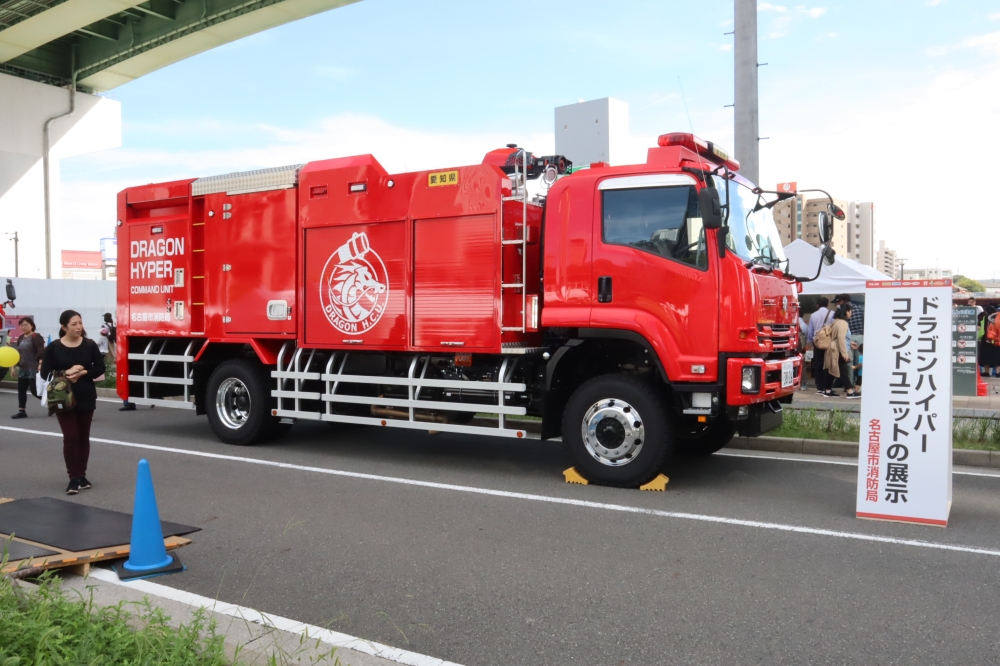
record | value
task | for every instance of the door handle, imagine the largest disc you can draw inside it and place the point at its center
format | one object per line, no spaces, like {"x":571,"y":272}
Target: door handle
{"x":604,"y":289}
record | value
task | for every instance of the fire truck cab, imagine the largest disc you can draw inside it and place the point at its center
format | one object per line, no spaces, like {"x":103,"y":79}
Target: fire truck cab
{"x":637,"y":310}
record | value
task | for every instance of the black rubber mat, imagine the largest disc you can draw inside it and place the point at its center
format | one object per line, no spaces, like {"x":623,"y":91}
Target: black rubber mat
{"x":71,"y":526}
{"x":22,"y":551}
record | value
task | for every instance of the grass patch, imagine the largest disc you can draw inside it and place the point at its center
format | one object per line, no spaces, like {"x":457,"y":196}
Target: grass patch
{"x":842,"y":426}
{"x":810,"y":424}
{"x":45,"y":626}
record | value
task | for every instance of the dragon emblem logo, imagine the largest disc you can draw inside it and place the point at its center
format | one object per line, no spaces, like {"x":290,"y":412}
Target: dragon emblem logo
{"x":354,"y":287}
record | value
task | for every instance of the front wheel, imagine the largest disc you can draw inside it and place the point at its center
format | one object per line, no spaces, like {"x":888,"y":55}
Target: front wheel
{"x":239,"y":404}
{"x":616,"y":431}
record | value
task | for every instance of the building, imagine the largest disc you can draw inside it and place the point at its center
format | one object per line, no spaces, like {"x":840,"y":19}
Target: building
{"x":861,"y":232}
{"x":81,"y":265}
{"x":886,"y":260}
{"x":927,"y":273}
{"x":788,"y":218}
{"x":798,"y":217}
{"x":109,"y":258}
{"x":810,"y":225}
{"x":594,"y":131}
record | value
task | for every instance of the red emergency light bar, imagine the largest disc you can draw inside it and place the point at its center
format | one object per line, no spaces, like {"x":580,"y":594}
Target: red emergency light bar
{"x":700,"y":146}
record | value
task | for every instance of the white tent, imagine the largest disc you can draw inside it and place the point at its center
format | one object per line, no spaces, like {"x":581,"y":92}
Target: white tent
{"x":846,"y":276}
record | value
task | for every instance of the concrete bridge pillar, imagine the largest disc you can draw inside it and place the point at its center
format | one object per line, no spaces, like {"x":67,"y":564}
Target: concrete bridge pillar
{"x":25,"y":106}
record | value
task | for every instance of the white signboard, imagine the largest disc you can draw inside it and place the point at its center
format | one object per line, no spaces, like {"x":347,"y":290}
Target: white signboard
{"x":904,"y":461}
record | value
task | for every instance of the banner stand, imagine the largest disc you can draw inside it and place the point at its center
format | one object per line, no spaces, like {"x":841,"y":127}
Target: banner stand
{"x":905,"y":452}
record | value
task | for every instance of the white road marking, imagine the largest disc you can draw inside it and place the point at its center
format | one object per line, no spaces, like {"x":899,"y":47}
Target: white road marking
{"x":309,"y":631}
{"x":781,"y":527}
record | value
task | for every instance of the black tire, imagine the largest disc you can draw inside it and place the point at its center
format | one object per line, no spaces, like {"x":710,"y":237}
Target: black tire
{"x":243,"y":415}
{"x":706,"y":439}
{"x":623,"y":398}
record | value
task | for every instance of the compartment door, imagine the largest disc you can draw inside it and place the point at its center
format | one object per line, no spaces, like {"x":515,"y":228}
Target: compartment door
{"x":456,"y":283}
{"x":259,"y":261}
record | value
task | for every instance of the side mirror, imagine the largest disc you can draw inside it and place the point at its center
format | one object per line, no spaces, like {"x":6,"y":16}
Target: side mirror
{"x":11,"y":294}
{"x":711,"y":208}
{"x":829,"y":256}
{"x":836,"y":211}
{"x":825,"y":225}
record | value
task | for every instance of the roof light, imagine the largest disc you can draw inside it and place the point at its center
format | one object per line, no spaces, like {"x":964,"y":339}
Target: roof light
{"x":700,"y":146}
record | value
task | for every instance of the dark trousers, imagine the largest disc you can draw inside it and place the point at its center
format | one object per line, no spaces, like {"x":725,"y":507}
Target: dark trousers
{"x":844,"y":381}
{"x":23,"y":385}
{"x":75,"y":426}
{"x":819,"y":374}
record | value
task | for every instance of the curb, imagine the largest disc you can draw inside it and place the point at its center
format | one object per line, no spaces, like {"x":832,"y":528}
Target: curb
{"x":855,"y":408}
{"x":822,"y":447}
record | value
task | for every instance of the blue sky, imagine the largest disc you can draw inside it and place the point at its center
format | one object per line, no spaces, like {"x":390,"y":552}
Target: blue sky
{"x":851,"y":92}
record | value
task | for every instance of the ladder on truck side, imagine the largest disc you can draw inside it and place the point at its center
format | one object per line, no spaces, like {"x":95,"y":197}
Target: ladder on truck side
{"x":520,"y":193}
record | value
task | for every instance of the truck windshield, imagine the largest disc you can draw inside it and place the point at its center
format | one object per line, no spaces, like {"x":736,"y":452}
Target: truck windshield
{"x":752,"y":236}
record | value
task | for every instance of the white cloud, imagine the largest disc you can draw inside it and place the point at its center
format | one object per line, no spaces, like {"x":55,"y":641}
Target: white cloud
{"x":989,"y":42}
{"x":934,"y":3}
{"x":994,"y":17}
{"x":885,"y":149}
{"x":784,"y":20}
{"x":725,"y":47}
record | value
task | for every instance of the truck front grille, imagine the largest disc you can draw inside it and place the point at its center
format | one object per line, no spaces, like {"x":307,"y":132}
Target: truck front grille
{"x":777,"y":337}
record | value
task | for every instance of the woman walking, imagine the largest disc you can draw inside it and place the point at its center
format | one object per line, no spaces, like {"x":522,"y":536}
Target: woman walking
{"x":79,"y":360}
{"x":838,"y":356}
{"x":31,"y":347}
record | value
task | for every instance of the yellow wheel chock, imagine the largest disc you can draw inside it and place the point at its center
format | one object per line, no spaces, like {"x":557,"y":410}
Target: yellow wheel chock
{"x":573,"y":476}
{"x":659,"y":483}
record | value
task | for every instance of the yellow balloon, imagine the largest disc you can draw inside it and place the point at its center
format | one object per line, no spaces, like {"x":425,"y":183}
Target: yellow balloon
{"x":8,"y":357}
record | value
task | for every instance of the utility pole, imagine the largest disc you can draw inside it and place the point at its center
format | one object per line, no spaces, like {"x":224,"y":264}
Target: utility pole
{"x":747,"y":124}
{"x":16,"y":241}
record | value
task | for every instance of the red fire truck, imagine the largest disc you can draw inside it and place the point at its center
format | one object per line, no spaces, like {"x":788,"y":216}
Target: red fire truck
{"x":637,"y":310}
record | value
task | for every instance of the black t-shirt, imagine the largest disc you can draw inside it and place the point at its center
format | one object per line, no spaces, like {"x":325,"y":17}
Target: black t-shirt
{"x":60,"y":357}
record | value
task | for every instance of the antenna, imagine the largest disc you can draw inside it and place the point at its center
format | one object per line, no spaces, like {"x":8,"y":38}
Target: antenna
{"x":684,"y":98}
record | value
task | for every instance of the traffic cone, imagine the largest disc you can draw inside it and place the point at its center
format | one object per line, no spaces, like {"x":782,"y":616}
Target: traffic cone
{"x":147,"y":554}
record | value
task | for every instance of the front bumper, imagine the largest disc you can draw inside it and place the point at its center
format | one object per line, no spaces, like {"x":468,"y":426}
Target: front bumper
{"x":769,"y":387}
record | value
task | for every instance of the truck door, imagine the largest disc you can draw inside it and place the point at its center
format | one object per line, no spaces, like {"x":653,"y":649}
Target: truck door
{"x":653,"y":273}
{"x":259,"y":261}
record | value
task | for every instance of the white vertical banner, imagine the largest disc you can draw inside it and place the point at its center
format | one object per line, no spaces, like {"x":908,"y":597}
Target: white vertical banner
{"x":904,"y":458}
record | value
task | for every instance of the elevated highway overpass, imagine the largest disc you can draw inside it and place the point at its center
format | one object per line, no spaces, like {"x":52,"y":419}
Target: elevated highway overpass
{"x":55,"y":55}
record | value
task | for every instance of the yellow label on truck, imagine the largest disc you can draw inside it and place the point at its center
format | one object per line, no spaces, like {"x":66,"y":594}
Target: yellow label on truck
{"x":439,"y":178}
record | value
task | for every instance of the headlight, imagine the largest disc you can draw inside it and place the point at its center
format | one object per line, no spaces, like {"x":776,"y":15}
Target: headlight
{"x":751,"y":379}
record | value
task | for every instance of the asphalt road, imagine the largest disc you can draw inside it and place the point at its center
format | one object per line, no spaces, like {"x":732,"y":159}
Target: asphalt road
{"x":502,"y":578}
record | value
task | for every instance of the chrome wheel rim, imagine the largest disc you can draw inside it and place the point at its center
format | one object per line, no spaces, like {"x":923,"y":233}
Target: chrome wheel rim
{"x":232,"y":403}
{"x":613,"y":432}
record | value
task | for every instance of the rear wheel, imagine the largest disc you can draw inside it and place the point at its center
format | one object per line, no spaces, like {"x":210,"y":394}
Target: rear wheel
{"x":706,"y":439}
{"x":239,"y":404}
{"x":616,"y":430}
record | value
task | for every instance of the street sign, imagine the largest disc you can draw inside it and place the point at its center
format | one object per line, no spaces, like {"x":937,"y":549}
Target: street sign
{"x":963,"y":344}
{"x":904,"y":458}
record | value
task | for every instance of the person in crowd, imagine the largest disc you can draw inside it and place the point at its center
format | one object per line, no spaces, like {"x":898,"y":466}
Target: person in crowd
{"x":840,"y":301}
{"x":803,"y":345}
{"x":102,"y":345}
{"x":31,"y":347}
{"x":989,"y":345}
{"x":109,"y":324}
{"x":859,"y":368}
{"x":972,"y":304}
{"x":79,"y":359}
{"x":818,"y":320}
{"x":837,"y":359}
